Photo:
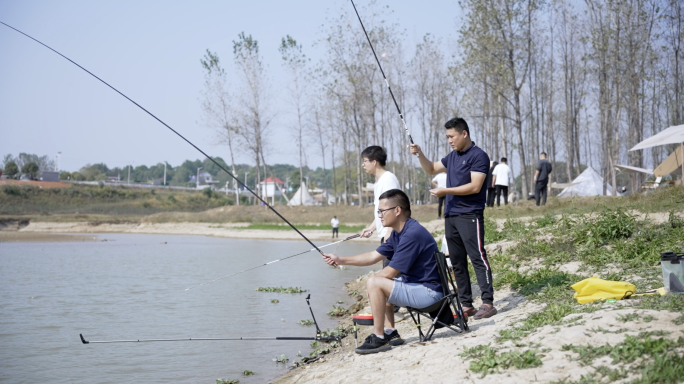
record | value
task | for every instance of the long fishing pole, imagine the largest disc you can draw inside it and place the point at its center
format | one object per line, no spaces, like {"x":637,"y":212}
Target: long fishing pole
{"x":319,"y":336}
{"x":274,"y":261}
{"x":383,"y":74}
{"x":327,"y":339}
{"x":174,"y":131}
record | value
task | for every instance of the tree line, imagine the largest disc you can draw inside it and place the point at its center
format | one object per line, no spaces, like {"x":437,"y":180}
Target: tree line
{"x":583,"y":81}
{"x":182,"y":175}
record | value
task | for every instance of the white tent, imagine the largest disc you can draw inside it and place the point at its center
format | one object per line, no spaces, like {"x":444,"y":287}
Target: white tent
{"x":588,"y":183}
{"x":632,"y":169}
{"x":672,"y":135}
{"x":302,"y":197}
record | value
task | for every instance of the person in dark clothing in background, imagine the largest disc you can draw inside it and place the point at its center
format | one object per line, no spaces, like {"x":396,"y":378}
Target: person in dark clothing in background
{"x":491,"y":191}
{"x":541,"y":179}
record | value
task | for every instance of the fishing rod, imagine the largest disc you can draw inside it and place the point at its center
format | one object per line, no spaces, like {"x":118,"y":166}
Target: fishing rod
{"x":274,"y":261}
{"x":174,"y":131}
{"x":319,"y":336}
{"x":383,"y":75}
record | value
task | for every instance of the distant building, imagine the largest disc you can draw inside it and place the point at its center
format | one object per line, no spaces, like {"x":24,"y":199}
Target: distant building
{"x":205,"y":181}
{"x":50,"y":176}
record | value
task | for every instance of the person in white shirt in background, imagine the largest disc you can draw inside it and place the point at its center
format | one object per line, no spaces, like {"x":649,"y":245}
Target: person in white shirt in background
{"x":500,"y":180}
{"x":440,"y":181}
{"x":335,"y":226}
{"x":374,"y":160}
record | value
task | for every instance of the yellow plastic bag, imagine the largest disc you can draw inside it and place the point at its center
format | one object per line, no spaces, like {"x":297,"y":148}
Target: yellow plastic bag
{"x":593,"y":289}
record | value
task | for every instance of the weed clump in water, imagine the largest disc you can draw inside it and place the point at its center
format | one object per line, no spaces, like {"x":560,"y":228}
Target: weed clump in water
{"x":281,"y":289}
{"x":338,"y":311}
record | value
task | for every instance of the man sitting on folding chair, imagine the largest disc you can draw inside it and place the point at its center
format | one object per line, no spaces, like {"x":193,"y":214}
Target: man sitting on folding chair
{"x":410,"y":250}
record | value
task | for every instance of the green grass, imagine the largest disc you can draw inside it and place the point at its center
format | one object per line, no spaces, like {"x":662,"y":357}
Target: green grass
{"x":104,"y":200}
{"x":486,"y":360}
{"x":655,"y":359}
{"x":609,"y":237}
{"x":661,"y":200}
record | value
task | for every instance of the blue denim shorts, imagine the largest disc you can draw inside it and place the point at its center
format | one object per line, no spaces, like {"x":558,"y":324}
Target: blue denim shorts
{"x":413,"y":295}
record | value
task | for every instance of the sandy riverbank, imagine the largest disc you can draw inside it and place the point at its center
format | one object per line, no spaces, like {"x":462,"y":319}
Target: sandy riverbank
{"x":227,"y":230}
{"x":439,"y":360}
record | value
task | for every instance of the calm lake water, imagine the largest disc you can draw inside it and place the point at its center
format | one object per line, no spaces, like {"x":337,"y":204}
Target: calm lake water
{"x":133,"y":287}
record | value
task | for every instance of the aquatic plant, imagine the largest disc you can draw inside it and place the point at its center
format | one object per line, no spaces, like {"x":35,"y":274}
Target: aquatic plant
{"x":282,"y":289}
{"x":337,"y":311}
{"x":281,"y":359}
{"x":226,"y":381}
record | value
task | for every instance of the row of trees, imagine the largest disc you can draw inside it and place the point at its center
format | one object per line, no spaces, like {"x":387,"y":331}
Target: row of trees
{"x":181,"y":175}
{"x":582,"y":81}
{"x":26,"y":164}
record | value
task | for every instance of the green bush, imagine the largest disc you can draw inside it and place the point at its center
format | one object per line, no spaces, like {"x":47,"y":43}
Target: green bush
{"x":12,"y":190}
{"x":608,"y":225}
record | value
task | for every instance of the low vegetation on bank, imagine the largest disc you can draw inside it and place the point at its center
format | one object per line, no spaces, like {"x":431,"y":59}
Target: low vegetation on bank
{"x":552,"y":252}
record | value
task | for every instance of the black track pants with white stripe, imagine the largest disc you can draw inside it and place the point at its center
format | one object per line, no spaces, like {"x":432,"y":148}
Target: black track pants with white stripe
{"x":465,"y":236}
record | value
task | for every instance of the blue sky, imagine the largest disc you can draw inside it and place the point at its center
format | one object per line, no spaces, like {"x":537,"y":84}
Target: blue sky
{"x":150,"y":51}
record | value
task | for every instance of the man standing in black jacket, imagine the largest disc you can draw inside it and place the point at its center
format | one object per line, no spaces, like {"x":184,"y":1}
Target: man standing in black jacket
{"x":541,"y":178}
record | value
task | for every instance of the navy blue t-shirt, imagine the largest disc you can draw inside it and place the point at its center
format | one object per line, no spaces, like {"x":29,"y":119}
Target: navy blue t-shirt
{"x":412,"y":252}
{"x":459,"y":165}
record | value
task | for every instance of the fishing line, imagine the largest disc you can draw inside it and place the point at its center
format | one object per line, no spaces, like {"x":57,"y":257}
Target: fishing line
{"x":383,"y":74}
{"x":174,"y":131}
{"x":274,"y":261}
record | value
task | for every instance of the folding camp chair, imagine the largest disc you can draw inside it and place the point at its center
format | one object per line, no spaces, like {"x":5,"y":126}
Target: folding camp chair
{"x":440,"y":313}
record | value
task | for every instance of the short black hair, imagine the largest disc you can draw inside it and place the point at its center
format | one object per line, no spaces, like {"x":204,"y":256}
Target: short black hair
{"x":375,"y":153}
{"x":457,"y":123}
{"x":398,"y":198}
{"x":504,"y":160}
{"x":544,"y":154}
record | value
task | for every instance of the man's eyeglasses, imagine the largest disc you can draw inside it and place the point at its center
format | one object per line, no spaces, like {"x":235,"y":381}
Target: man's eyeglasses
{"x":381,"y":212}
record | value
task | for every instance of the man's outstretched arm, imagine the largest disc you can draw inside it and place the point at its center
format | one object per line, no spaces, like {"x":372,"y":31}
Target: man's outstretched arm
{"x":362,"y":260}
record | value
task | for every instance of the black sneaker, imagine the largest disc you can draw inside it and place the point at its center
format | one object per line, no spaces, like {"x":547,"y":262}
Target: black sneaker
{"x":373,"y":344}
{"x":394,"y":338}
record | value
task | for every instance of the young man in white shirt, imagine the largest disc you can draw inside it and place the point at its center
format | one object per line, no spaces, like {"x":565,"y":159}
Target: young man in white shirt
{"x":500,"y":180}
{"x":374,"y":160}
